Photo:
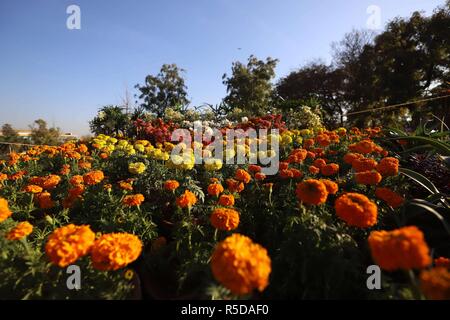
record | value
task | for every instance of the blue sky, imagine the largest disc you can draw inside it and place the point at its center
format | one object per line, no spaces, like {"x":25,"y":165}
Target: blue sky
{"x":64,"y":76}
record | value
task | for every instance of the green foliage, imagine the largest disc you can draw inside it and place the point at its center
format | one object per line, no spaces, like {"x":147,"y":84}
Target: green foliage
{"x":249,"y":87}
{"x":110,"y":120}
{"x":165,"y":90}
{"x":42,"y":135}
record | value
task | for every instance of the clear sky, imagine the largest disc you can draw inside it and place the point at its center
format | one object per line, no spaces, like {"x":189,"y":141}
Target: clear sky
{"x":63,"y":76}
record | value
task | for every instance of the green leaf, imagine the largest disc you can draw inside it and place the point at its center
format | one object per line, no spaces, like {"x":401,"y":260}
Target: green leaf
{"x":441,"y":147}
{"x":427,"y":206}
{"x":420,"y":179}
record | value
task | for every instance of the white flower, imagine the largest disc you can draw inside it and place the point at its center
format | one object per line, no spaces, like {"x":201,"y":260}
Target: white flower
{"x":244,"y":119}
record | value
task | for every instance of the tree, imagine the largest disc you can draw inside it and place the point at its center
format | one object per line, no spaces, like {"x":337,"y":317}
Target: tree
{"x":320,"y":83}
{"x":9,"y":135}
{"x":249,"y":87}
{"x":110,"y":120}
{"x":42,"y":135}
{"x":165,"y":90}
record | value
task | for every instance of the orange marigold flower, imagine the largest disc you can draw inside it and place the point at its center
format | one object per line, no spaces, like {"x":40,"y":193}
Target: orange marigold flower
{"x":390,"y":197}
{"x":93,"y":177}
{"x":215,"y":189}
{"x":364,"y":146}
{"x":3,"y":177}
{"x":44,"y":199}
{"x":20,"y":231}
{"x":323,"y":140}
{"x":18,"y":175}
{"x":114,"y":251}
{"x":364,"y":164}
{"x":388,"y":167}
{"x":171,"y":185}
{"x":350,"y":157}
{"x":319,"y":163}
{"x":133,"y":200}
{"x":125,"y":185}
{"x":368,"y":177}
{"x":76,"y":180}
{"x":329,"y":169}
{"x":254,"y":168}
{"x":32,"y":188}
{"x":313,"y":170}
{"x":234,"y":185}
{"x":297,"y":156}
{"x":241,"y":265}
{"x":286,"y":173}
{"x":225,"y":219}
{"x":260,"y":176}
{"x":5,"y":213}
{"x":65,"y":169}
{"x":243,"y":176}
{"x":50,"y":182}
{"x":283,"y":165}
{"x":307,"y":143}
{"x":296,"y":173}
{"x":403,"y":248}
{"x":84,"y":165}
{"x":442,"y":262}
{"x":312,"y":191}
{"x":357,"y":210}
{"x":187,"y":199}
{"x":332,"y":187}
{"x":76,"y":191}
{"x":435,"y":283}
{"x":66,"y":244}
{"x":226,"y":200}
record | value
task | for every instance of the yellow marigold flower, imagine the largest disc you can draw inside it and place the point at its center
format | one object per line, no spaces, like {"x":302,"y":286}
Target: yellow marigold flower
{"x":137,"y":168}
{"x":32,"y":188}
{"x":225,"y":219}
{"x":186,"y":200}
{"x":133,"y":200}
{"x":66,"y":244}
{"x":114,"y":251}
{"x":93,"y":177}
{"x":403,"y":248}
{"x":20,"y":231}
{"x":5,"y":213}
{"x":213,"y":164}
{"x":241,"y":265}
{"x":435,"y":283}
{"x":357,"y":210}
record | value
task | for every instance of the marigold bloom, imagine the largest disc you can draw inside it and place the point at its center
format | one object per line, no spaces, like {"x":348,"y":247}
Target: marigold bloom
{"x":234,"y":185}
{"x":171,"y":185}
{"x":241,"y":265}
{"x":390,"y":197}
{"x":364,"y":146}
{"x":442,"y":262}
{"x":435,"y":283}
{"x":66,"y":244}
{"x":350,"y":157}
{"x":403,"y":248}
{"x":226,"y":200}
{"x":3,"y":177}
{"x":364,"y":164}
{"x":297,"y":156}
{"x":215,"y":189}
{"x":225,"y":219}
{"x":44,"y":200}
{"x":283,"y":165}
{"x":137,"y":168}
{"x":50,"y":182}
{"x":114,"y":251}
{"x":313,"y":170}
{"x":32,"y":188}
{"x":20,"y":231}
{"x":260,"y":176}
{"x":286,"y":173}
{"x":368,"y":177}
{"x":5,"y":213}
{"x":65,"y":169}
{"x":319,"y":163}
{"x":93,"y":177}
{"x":76,"y":180}
{"x":388,"y":167}
{"x":357,"y":210}
{"x":85,"y":165}
{"x":254,"y":168}
{"x":125,"y":185}
{"x":76,"y":191}
{"x":243,"y":176}
{"x":133,"y":200}
{"x":329,"y":169}
{"x":187,"y":199}
{"x":18,"y":175}
{"x":296,"y":173}
{"x":312,"y":191}
{"x":332,"y":187}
